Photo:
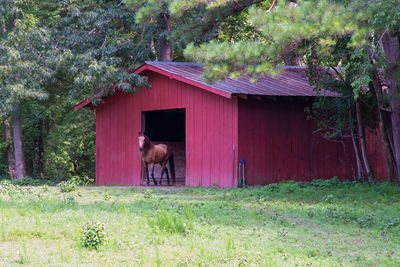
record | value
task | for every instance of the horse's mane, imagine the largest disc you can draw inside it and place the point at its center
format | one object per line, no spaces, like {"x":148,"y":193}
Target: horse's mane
{"x":146,"y":140}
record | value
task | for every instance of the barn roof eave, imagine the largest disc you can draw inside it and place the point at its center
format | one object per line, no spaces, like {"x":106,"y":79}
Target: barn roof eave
{"x":146,"y":67}
{"x":84,"y":104}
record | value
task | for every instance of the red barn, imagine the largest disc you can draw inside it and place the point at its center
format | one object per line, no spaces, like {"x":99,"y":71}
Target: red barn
{"x":212,"y":127}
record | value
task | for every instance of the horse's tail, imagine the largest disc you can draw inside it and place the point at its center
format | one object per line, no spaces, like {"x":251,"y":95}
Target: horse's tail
{"x":172,"y":167}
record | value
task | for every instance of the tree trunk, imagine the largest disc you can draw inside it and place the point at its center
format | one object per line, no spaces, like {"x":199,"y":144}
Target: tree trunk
{"x":361,"y":134}
{"x":11,"y":22}
{"x":10,"y":150}
{"x":387,"y":152}
{"x":387,"y":148}
{"x":356,"y":148}
{"x":164,"y":45}
{"x":19,"y":153}
{"x":348,"y":159}
{"x":293,"y":60}
{"x":391,"y":47}
{"x":40,"y":149}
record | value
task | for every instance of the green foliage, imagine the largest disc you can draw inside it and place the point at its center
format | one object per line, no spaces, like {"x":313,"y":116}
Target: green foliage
{"x":4,"y":174}
{"x":94,"y":235}
{"x":27,"y":181}
{"x":61,"y":53}
{"x":70,"y":147}
{"x":325,"y":183}
{"x":85,"y":180}
{"x":172,"y":222}
{"x":310,"y":27}
{"x":148,"y":193}
{"x":196,"y":20}
{"x":7,"y":188}
{"x":342,"y":215}
{"x":284,"y":32}
{"x":25,"y":65}
{"x":70,"y":201}
{"x":69,"y":186}
{"x":107,"y":196}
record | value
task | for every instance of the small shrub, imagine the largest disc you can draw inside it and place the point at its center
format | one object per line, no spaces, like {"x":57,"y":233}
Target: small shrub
{"x":279,"y":219}
{"x":367,"y":221}
{"x":45,"y":189}
{"x":27,"y":181}
{"x":310,"y":213}
{"x":263,"y":201}
{"x":94,"y":235}
{"x":243,"y":262}
{"x":312,"y":253}
{"x":271,"y":187}
{"x":282,"y":233}
{"x":148,"y":193}
{"x":107,"y":196}
{"x":83,"y":180}
{"x":390,"y":223}
{"x":340,"y":215}
{"x":7,"y":188}
{"x":328,"y":198}
{"x":321,"y":183}
{"x":68,"y":186}
{"x":288,"y":187}
{"x":70,"y":201}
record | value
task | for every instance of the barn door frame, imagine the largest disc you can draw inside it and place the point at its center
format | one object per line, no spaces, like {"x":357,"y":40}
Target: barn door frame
{"x":143,"y":117}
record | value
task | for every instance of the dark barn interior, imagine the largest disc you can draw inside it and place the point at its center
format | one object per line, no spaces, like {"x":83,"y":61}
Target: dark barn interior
{"x":168,"y":127}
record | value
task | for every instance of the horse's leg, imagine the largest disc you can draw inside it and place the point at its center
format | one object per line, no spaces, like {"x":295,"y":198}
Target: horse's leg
{"x":152,"y":173}
{"x":146,"y":166}
{"x":163,"y":165}
{"x":162,"y":173}
{"x":166,"y":171}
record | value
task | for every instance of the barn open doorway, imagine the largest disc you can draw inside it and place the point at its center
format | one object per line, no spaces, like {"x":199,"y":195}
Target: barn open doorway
{"x":168,"y":127}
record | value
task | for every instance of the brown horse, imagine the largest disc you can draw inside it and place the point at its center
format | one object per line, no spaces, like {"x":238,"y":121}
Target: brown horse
{"x":153,"y":154}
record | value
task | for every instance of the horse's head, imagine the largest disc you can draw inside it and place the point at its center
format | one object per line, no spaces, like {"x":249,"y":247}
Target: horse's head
{"x":143,"y":140}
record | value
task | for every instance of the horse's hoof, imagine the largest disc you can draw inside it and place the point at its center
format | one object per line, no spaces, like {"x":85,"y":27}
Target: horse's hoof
{"x":155,"y":183}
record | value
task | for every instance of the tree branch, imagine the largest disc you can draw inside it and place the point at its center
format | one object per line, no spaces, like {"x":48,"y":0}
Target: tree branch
{"x":272,"y":6}
{"x":216,"y":15}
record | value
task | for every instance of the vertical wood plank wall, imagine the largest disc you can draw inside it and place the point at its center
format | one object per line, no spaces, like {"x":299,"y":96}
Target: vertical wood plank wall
{"x":211,"y":133}
{"x":278,"y":143}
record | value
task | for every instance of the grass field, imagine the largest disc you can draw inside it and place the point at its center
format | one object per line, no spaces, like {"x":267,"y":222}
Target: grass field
{"x":287,"y":224}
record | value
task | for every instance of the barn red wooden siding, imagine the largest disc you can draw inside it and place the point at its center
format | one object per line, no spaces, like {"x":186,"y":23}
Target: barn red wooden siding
{"x":375,"y":153}
{"x":278,"y":143}
{"x":211,"y":133}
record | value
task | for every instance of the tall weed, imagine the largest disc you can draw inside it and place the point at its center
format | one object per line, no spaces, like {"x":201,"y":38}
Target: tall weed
{"x":172,"y":222}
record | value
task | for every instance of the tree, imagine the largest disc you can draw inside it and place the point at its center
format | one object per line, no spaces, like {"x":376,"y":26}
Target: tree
{"x":179,"y":22}
{"x":155,"y":12}
{"x":86,"y":50}
{"x":23,"y":69}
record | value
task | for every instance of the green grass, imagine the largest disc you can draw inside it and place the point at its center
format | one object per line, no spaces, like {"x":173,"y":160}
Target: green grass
{"x":286,"y":224}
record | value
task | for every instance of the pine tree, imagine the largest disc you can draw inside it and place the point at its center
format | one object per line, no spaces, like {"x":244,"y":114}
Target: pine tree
{"x":315,"y":28}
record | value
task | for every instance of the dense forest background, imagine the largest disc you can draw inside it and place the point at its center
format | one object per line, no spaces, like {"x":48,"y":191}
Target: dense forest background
{"x":89,"y":45}
{"x":54,"y":54}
